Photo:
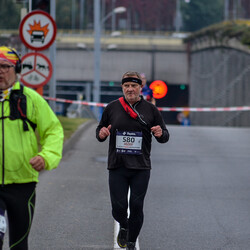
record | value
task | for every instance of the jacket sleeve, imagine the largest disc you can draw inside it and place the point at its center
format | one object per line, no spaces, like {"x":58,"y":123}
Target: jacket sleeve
{"x":159,"y":121}
{"x":103,"y":123}
{"x":50,"y":132}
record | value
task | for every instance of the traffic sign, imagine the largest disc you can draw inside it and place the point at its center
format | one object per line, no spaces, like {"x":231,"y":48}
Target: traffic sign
{"x":36,"y":70}
{"x":37,"y":30}
{"x":159,"y":88}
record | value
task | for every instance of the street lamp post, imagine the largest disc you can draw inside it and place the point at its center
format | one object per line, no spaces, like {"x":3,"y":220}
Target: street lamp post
{"x":81,"y":19}
{"x":117,"y":10}
{"x":178,"y":15}
{"x":226,"y":12}
{"x":113,"y":16}
{"x":97,"y":50}
{"x":178,"y":18}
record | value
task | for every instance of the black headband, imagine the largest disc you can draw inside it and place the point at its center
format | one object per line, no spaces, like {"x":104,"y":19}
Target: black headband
{"x":131,"y":79}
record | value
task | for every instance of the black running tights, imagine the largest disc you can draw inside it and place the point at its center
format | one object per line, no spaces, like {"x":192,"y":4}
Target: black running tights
{"x":18,"y":200}
{"x":120,"y":180}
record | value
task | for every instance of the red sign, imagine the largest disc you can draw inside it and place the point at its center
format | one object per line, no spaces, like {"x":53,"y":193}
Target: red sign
{"x":37,"y":30}
{"x":159,"y":88}
{"x":36,"y":70}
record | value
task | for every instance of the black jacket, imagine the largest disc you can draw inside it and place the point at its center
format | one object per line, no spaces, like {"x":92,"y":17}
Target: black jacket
{"x":115,"y":115}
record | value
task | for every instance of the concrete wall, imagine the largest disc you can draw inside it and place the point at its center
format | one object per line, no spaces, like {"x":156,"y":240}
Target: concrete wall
{"x":219,"y":77}
{"x":78,"y":65}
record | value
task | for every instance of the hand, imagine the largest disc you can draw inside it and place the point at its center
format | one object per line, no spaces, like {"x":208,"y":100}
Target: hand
{"x":104,"y":132}
{"x":157,"y":131}
{"x":37,"y":163}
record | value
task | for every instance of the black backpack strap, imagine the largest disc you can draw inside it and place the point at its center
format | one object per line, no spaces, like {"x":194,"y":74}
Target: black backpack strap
{"x":18,"y":108}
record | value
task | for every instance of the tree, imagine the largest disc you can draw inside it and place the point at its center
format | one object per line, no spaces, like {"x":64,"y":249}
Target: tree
{"x":198,"y":14}
{"x":143,"y":15}
{"x":10,"y":15}
{"x":146,"y":15}
{"x":63,"y":14}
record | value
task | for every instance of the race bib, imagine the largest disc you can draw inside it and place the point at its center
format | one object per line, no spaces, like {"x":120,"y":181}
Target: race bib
{"x":128,"y":142}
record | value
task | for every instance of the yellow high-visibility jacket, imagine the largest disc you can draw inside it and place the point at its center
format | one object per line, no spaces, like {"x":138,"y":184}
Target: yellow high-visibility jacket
{"x":17,"y":146}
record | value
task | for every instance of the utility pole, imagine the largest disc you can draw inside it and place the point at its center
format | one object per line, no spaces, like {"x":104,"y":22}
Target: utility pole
{"x":97,"y":56}
{"x":234,"y":10}
{"x":178,"y":18}
{"x":239,"y":12}
{"x":30,"y":5}
{"x":52,"y":53}
{"x":103,"y":14}
{"x":81,"y":19}
{"x":113,"y":16}
{"x":226,"y":8}
{"x":73,"y":15}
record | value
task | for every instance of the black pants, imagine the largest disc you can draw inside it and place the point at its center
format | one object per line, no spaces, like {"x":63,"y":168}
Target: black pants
{"x":120,"y":180}
{"x":18,"y":200}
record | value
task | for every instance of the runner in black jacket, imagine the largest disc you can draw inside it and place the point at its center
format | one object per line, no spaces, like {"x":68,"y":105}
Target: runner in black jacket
{"x":130,"y":122}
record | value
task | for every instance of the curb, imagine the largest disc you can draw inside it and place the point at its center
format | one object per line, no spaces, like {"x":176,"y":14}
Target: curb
{"x":77,"y":134}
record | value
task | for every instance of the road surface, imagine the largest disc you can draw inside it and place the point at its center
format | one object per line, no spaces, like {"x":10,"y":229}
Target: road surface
{"x":198,"y":197}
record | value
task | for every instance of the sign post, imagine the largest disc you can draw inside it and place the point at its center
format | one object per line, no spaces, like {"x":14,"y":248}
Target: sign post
{"x":38,"y":31}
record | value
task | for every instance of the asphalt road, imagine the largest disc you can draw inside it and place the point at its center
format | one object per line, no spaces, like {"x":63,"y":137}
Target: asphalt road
{"x":198,"y":197}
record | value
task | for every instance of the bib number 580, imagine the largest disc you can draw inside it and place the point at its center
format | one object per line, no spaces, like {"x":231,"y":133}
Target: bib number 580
{"x":128,"y":139}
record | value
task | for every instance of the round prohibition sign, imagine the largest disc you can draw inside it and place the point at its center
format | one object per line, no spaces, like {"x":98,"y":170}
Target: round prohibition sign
{"x":36,"y":70}
{"x":37,"y":30}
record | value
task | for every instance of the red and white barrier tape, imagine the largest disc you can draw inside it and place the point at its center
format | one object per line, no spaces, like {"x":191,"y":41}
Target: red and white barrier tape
{"x":179,"y":109}
{"x":76,"y":102}
{"x":205,"y":109}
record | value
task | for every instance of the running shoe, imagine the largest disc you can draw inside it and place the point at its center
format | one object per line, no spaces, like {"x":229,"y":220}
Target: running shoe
{"x":122,"y":237}
{"x":130,"y":246}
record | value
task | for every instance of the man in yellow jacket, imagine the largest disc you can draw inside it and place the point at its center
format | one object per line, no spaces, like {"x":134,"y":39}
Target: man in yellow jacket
{"x":22,"y":111}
